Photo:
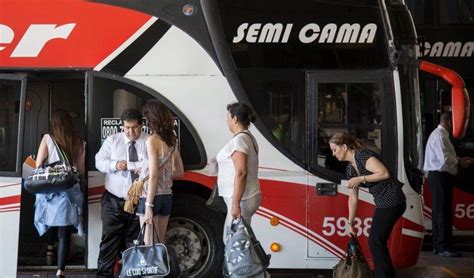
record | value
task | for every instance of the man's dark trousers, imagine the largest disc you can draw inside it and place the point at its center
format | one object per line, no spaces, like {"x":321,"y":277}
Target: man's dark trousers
{"x":118,"y":229}
{"x":441,"y":187}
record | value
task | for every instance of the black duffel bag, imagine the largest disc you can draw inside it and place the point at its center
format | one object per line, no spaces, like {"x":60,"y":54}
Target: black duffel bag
{"x":54,"y":177}
{"x":149,"y":260}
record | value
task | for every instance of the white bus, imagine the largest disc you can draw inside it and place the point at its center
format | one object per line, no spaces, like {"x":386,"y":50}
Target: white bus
{"x":308,"y":69}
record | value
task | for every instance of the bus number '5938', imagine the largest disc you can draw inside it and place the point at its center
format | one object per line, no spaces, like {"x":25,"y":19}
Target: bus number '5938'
{"x":332,"y":225}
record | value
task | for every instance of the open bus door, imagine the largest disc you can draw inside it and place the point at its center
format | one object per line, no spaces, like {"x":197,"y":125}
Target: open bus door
{"x":26,"y":103}
{"x":337,"y":98}
{"x":12,"y":112}
{"x":463,"y":194}
{"x":107,"y":97}
{"x":459,"y":97}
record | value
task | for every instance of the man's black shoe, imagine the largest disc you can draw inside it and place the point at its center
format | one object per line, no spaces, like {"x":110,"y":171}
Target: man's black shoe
{"x":435,"y":251}
{"x":449,"y":253}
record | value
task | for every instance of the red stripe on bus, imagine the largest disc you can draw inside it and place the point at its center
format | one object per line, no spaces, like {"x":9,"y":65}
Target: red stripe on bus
{"x":10,"y":200}
{"x":199,"y":178}
{"x":314,"y":239}
{"x":8,"y":185}
{"x":10,"y":209}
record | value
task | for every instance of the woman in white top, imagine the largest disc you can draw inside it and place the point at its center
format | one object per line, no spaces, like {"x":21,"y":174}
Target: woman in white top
{"x":238,"y":166}
{"x":164,"y":163}
{"x":62,"y":209}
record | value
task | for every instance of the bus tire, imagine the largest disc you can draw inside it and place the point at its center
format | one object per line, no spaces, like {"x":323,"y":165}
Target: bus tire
{"x":195,"y":232}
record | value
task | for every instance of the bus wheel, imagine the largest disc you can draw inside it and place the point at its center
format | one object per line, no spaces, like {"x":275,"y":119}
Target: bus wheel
{"x":195,"y":233}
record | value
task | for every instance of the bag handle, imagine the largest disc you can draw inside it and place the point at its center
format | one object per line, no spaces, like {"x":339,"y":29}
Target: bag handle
{"x":253,"y":143}
{"x":246,"y":225}
{"x":141,"y":235}
{"x":249,"y":228}
{"x":62,"y":155}
{"x":354,"y":249}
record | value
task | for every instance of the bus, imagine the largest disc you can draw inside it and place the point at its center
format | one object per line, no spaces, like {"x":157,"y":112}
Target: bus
{"x":446,"y":29}
{"x":308,"y":69}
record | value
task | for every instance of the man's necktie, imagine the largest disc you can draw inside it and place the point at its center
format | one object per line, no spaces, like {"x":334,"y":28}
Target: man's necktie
{"x":132,"y":157}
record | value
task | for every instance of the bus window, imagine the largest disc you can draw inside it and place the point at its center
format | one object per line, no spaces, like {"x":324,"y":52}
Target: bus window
{"x":10,"y":98}
{"x":347,"y":107}
{"x":278,"y":51}
{"x":110,"y":96}
{"x":456,"y":11}
{"x":417,"y":9}
{"x":278,"y":97}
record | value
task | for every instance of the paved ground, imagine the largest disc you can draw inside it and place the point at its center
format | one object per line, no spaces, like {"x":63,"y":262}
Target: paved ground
{"x":456,"y":267}
{"x":429,"y":266}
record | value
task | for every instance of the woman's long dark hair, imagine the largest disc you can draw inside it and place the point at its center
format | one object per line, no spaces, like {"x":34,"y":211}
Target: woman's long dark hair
{"x":62,"y":130}
{"x":160,"y":121}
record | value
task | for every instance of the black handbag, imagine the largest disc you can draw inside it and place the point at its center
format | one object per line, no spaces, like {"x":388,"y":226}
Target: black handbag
{"x":354,"y":264}
{"x":53,"y":177}
{"x":216,"y":202}
{"x":149,"y":260}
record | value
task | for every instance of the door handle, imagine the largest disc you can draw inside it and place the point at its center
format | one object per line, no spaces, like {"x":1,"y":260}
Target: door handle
{"x":326,"y":189}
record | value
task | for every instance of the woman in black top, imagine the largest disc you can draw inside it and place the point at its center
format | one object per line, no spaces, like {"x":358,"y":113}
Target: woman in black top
{"x":365,"y":169}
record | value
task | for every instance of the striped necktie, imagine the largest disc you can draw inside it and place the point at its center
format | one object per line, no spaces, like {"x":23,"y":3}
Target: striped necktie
{"x":132,"y":157}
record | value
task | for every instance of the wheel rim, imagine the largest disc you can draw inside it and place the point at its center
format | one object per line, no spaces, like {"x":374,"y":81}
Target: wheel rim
{"x":191,"y":243}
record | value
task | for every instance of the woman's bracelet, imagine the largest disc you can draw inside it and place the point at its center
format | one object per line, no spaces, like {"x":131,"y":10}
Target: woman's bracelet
{"x":150,"y":205}
{"x":364,"y":180}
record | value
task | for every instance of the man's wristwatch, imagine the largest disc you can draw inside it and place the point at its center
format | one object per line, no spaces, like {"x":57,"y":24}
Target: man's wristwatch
{"x":149,"y":205}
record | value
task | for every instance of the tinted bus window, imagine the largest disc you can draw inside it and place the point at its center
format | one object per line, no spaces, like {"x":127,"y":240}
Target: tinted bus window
{"x":279,"y":99}
{"x":456,"y":11}
{"x":417,"y":9}
{"x":348,"y":107}
{"x":109,"y":98}
{"x":10,"y":91}
{"x":307,"y":34}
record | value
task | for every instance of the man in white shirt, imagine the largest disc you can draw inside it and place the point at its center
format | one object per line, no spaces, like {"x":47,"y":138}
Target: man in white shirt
{"x":441,"y":163}
{"x":120,"y":158}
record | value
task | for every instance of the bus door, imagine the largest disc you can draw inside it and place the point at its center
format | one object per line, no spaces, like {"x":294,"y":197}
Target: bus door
{"x":360,"y":103}
{"x":194,"y":234}
{"x":436,"y":96}
{"x":12,"y":103}
{"x":108,"y":97}
{"x":45,"y":92}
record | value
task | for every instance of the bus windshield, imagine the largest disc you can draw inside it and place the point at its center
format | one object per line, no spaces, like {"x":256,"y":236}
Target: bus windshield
{"x":456,"y":12}
{"x":264,"y":34}
{"x":448,"y":12}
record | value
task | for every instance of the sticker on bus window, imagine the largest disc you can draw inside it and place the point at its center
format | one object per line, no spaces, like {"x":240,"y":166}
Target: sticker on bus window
{"x":111,"y":126}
